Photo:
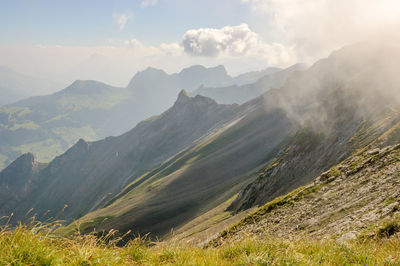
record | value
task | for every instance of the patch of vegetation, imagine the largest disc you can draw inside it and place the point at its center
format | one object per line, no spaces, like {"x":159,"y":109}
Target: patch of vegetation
{"x":383,"y":230}
{"x":335,"y":172}
{"x":275,"y":162}
{"x":388,"y":229}
{"x":390,"y":201}
{"x":35,"y":245}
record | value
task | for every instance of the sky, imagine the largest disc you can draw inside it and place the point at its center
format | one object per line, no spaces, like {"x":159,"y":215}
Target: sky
{"x":110,"y":40}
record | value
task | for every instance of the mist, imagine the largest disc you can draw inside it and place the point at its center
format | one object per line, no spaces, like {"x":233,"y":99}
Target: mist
{"x":358,"y":82}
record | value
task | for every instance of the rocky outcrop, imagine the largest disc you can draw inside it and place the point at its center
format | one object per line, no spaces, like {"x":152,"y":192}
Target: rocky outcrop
{"x":18,"y":174}
{"x":16,"y":182}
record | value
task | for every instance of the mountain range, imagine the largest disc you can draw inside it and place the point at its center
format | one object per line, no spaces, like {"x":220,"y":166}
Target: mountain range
{"x":242,"y":93}
{"x":48,"y":125}
{"x":205,"y":161}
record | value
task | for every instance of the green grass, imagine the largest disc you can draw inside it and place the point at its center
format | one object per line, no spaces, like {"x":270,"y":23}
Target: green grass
{"x":34,"y":244}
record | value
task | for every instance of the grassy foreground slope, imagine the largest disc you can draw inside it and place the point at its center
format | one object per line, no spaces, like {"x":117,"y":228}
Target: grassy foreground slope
{"x":31,"y":245}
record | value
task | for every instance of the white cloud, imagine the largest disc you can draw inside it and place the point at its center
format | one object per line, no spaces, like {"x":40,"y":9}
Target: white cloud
{"x":148,"y":3}
{"x":122,"y":19}
{"x":235,"y":41}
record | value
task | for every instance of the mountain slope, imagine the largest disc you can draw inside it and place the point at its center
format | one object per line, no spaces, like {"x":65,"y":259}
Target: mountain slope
{"x":343,"y":103}
{"x":197,"y":179}
{"x":90,"y":173}
{"x":349,"y":200}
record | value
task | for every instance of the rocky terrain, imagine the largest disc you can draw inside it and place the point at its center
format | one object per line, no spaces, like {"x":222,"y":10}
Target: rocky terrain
{"x":344,"y":203}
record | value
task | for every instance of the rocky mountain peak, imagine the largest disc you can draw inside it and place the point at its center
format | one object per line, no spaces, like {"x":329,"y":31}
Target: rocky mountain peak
{"x":183,"y":97}
{"x":19,"y":171}
{"x":197,"y":102}
{"x":25,"y":160}
{"x":147,"y":76}
{"x":199,"y":69}
{"x":80,"y":146}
